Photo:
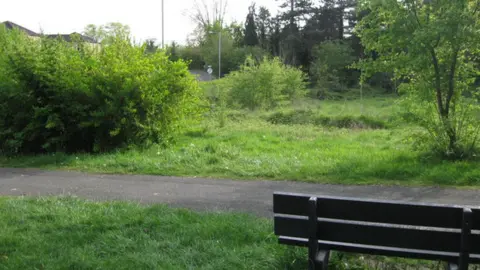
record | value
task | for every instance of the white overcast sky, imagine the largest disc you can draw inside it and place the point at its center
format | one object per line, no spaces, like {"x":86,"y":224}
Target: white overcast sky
{"x":143,"y":16}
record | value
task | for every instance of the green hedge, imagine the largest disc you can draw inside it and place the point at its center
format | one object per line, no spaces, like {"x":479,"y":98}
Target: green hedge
{"x":59,"y":96}
{"x":305,"y":117}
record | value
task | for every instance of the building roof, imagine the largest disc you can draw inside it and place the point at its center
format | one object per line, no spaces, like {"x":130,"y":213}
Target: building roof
{"x":66,"y":37}
{"x":11,"y":25}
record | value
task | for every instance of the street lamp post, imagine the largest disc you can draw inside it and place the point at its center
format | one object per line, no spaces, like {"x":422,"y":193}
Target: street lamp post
{"x":219,"y":51}
{"x":163,"y":25}
{"x":220,"y":44}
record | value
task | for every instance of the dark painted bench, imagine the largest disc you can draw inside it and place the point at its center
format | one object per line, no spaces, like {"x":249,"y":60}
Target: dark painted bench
{"x":411,"y":230}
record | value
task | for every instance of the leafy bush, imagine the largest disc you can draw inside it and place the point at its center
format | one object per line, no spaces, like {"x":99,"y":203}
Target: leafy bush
{"x":265,"y":85}
{"x":304,"y":117}
{"x":59,"y":96}
{"x":434,"y":140}
{"x":330,"y":71}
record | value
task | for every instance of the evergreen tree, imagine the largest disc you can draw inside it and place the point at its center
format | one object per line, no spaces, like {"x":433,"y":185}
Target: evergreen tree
{"x":264,"y":27}
{"x":294,"y":14}
{"x":251,"y":37}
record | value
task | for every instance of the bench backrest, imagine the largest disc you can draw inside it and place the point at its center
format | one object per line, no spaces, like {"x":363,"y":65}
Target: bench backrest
{"x":425,"y":231}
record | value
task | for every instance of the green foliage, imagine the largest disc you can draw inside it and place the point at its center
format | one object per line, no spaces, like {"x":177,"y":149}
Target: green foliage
{"x":330,"y":69}
{"x":304,"y":117}
{"x":430,"y":46}
{"x":108,"y":33}
{"x":265,"y":85}
{"x":216,"y":94}
{"x":436,"y":141}
{"x":249,"y":147}
{"x":59,"y":96}
{"x":192,"y":55}
{"x":232,"y":56}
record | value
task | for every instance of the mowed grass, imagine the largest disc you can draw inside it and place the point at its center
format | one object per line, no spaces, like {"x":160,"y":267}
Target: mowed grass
{"x":67,"y":233}
{"x":249,"y":147}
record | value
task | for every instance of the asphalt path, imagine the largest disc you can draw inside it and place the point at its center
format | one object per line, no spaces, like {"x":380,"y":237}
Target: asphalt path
{"x":202,"y":194}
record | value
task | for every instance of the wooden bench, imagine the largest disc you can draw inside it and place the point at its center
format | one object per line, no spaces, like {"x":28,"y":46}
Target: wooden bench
{"x":388,"y":228}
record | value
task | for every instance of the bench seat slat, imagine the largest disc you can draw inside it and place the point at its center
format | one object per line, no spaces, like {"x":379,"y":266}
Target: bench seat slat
{"x":416,"y":214}
{"x":401,"y":237}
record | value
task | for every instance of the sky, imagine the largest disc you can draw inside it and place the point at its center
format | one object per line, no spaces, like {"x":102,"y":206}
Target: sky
{"x":143,"y":16}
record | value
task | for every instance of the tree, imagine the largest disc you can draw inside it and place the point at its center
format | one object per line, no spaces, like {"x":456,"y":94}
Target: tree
{"x":205,"y":14}
{"x":107,"y":33}
{"x":295,"y":13}
{"x":237,"y":34}
{"x":93,"y":31}
{"x":330,"y":68}
{"x":275,"y":38}
{"x":264,"y":27}
{"x":172,"y":51}
{"x":430,"y":44}
{"x":209,"y":49}
{"x":150,"y":46}
{"x":251,"y":38}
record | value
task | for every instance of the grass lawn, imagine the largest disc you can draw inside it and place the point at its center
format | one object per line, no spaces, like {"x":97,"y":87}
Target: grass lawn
{"x":66,"y":233}
{"x":69,"y":233}
{"x":251,"y":147}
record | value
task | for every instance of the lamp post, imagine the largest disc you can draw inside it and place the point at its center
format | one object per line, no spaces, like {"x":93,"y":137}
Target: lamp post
{"x":163,"y":24}
{"x":219,"y":51}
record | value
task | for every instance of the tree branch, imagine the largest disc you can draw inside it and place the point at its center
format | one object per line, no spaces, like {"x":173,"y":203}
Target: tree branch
{"x":476,"y":7}
{"x":414,"y":9}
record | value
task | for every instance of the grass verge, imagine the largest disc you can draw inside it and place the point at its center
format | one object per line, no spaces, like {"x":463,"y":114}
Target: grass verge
{"x":66,"y":233}
{"x":69,"y":233}
{"x":248,"y":147}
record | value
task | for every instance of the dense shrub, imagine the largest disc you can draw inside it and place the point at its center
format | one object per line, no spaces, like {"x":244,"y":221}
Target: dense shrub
{"x":330,"y":70}
{"x":264,"y":85}
{"x":304,"y":117}
{"x":59,"y":96}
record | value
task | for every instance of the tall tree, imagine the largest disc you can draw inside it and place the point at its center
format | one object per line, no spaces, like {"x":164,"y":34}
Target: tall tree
{"x":275,"y":38}
{"x":294,"y":14}
{"x":430,"y":43}
{"x":251,"y":38}
{"x":264,"y":27}
{"x":150,"y":46}
{"x":205,"y":14}
{"x":108,"y":32}
{"x":93,"y":31}
{"x":238,"y":34}
{"x":172,"y":51}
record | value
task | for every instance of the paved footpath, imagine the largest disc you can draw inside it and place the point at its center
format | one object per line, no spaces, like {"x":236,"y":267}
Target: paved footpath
{"x":205,"y":194}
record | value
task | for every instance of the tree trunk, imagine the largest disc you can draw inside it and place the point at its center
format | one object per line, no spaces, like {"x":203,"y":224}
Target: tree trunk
{"x":451,"y":81}
{"x":438,"y":84}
